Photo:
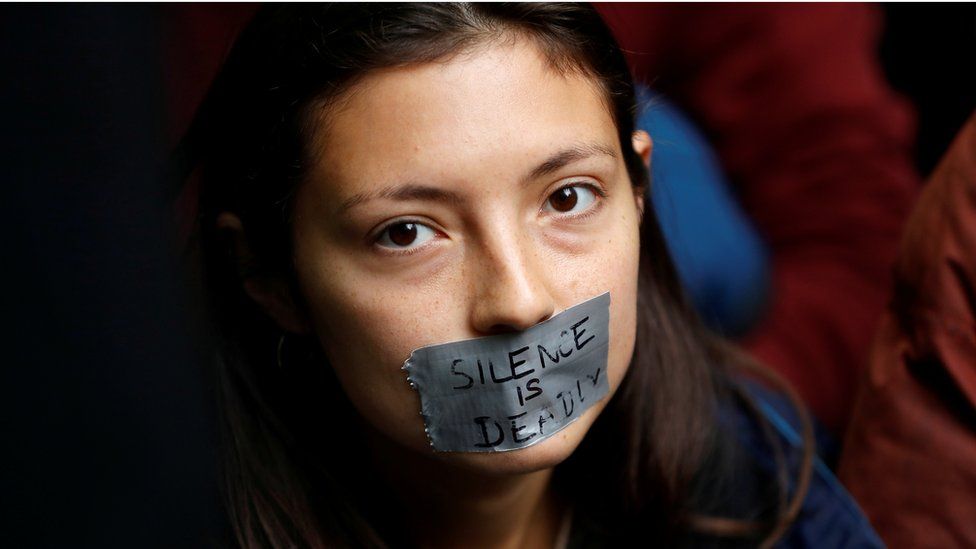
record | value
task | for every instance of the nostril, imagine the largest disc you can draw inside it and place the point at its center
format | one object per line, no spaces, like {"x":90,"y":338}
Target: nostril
{"x":504,"y":329}
{"x":501,"y":329}
{"x":508,"y":328}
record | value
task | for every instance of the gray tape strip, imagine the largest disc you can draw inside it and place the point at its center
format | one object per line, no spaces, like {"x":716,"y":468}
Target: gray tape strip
{"x":510,"y":391}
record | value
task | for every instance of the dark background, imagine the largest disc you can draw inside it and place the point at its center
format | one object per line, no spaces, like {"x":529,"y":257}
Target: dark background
{"x":928,"y":52}
{"x":106,"y":410}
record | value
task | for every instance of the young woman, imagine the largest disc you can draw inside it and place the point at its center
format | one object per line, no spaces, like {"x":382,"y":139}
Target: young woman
{"x":379,"y":178}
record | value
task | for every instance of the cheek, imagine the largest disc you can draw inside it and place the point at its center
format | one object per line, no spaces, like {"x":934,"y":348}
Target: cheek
{"x":621,"y":274}
{"x":610,"y":266}
{"x":367,"y":330}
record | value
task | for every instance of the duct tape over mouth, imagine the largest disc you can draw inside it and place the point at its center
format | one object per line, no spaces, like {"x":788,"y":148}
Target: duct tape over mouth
{"x":510,"y":391}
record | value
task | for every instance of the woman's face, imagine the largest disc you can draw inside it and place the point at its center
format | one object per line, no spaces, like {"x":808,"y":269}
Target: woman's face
{"x":459,"y":199}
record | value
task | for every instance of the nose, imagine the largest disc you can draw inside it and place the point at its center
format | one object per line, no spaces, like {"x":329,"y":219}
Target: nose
{"x":511,"y":287}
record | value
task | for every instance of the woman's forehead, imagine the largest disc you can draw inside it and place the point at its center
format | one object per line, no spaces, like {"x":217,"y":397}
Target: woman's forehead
{"x":493,"y":109}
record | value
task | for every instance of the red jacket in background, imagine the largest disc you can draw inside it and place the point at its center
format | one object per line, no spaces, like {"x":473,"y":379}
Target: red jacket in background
{"x":910,"y":455}
{"x":818,"y":149}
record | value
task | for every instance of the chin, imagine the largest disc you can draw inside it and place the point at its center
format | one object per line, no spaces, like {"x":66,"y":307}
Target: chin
{"x":543,"y":455}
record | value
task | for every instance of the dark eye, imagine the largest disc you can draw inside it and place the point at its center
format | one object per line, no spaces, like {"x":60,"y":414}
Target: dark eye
{"x":405,"y":235}
{"x":570,"y":198}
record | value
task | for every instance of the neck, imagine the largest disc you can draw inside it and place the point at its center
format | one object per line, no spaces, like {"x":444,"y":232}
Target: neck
{"x":442,"y":505}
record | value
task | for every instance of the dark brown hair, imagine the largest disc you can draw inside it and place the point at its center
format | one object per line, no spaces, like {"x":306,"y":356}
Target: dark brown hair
{"x":657,"y":460}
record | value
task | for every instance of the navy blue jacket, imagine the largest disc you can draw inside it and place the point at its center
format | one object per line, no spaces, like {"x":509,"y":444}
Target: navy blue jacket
{"x":829,"y":517}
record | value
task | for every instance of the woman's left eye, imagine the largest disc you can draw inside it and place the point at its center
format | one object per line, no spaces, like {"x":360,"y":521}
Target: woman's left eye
{"x":571,"y":198}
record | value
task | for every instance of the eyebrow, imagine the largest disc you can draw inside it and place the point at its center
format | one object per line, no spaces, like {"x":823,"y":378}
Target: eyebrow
{"x":402,"y":192}
{"x":418,"y":191}
{"x":568,"y":156}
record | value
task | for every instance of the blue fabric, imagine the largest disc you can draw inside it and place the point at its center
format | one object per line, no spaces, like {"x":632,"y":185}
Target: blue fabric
{"x":718,"y":254}
{"x":829,"y":516}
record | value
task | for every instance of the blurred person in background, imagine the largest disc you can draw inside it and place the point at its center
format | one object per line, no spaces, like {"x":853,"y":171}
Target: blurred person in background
{"x":910,"y":453}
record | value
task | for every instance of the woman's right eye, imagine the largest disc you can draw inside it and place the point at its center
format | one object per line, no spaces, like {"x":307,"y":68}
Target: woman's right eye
{"x":405,"y":235}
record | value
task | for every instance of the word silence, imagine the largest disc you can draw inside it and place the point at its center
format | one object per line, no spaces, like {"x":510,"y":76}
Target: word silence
{"x":509,"y":391}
